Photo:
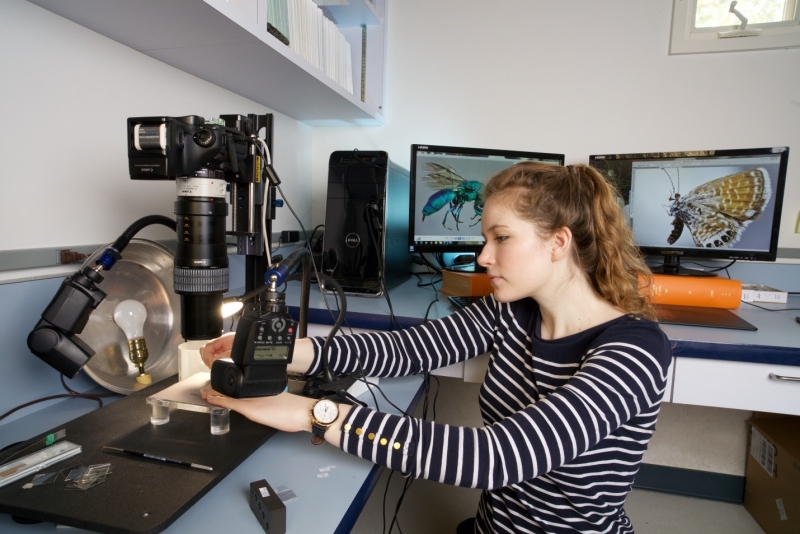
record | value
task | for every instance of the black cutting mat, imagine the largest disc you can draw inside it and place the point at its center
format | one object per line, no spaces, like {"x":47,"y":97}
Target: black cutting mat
{"x":140,"y":495}
{"x":699,"y":316}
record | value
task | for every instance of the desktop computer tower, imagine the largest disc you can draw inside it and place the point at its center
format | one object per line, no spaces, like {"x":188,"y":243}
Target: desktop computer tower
{"x":365,"y":244}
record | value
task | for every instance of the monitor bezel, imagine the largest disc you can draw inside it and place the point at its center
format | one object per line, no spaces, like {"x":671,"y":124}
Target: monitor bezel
{"x":416,"y":148}
{"x":719,"y":253}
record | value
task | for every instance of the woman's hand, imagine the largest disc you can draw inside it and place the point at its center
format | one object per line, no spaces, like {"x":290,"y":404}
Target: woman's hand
{"x":285,"y":411}
{"x":216,"y":349}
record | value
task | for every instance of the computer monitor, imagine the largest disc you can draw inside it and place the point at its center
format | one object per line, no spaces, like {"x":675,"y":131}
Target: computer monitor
{"x":447,"y":194}
{"x":709,"y":204}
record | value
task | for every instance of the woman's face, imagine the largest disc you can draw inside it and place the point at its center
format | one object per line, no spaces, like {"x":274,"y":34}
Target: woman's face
{"x":519,"y":262}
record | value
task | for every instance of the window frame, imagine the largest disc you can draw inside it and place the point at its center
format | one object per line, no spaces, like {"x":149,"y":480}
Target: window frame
{"x":686,"y":39}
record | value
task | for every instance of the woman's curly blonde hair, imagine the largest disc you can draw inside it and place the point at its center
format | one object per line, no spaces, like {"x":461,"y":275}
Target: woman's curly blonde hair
{"x":580,"y":198}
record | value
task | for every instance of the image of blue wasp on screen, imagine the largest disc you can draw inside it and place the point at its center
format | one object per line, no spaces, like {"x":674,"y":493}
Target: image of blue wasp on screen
{"x":447,"y":194}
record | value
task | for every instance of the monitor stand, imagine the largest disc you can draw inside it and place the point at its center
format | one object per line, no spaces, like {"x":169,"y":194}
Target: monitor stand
{"x":469,"y":263}
{"x":672,"y":265}
{"x":467,"y":268}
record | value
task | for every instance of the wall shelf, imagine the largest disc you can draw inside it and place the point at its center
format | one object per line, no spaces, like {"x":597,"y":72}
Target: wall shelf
{"x":225,"y":42}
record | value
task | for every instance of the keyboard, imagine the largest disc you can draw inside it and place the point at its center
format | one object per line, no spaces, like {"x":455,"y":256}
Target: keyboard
{"x":463,"y":302}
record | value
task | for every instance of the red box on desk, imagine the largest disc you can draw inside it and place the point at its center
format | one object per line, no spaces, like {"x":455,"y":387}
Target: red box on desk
{"x":772,"y":484}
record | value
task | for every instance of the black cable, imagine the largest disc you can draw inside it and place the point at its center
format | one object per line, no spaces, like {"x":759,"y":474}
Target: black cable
{"x":382,"y":394}
{"x":70,"y":395}
{"x":382,"y":277}
{"x":385,"y":492}
{"x":343,"y":308}
{"x":725,"y":268}
{"x":406,"y":486}
{"x":422,"y":283}
{"x":313,"y":263}
{"x":431,"y":266}
{"x":369,"y":385}
{"x":340,"y":297}
{"x":436,"y":397}
{"x":126,"y":236}
{"x":435,"y":296}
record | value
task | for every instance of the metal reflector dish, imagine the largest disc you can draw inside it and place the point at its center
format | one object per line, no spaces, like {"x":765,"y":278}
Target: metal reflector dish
{"x":145,"y":274}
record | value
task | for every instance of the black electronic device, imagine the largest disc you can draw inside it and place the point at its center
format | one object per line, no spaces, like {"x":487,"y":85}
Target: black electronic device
{"x":264,"y":340}
{"x":366,"y":222}
{"x":267,"y":507}
{"x":206,"y":158}
{"x":446,"y":194}
{"x":262,"y":348}
{"x":708,"y":204}
{"x":54,"y":338}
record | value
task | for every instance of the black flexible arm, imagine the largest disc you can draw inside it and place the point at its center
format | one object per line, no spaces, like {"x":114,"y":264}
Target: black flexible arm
{"x":123,"y":240}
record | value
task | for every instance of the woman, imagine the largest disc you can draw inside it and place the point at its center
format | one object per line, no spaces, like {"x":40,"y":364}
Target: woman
{"x":576,"y":374}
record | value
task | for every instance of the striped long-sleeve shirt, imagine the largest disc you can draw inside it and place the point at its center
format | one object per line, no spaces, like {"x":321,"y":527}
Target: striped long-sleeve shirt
{"x":567,"y":421}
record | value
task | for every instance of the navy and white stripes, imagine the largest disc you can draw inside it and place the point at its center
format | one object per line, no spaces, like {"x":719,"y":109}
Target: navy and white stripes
{"x":566,"y":421}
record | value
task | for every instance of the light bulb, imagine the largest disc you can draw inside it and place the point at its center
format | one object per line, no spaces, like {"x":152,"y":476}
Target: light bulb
{"x":130,"y":316}
{"x":232,"y":307}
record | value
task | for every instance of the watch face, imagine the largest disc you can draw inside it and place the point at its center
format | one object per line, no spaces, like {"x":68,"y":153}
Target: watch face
{"x":326,"y":411}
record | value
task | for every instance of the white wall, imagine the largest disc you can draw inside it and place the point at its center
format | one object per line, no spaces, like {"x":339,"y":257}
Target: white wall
{"x":65,"y":95}
{"x":573,"y":77}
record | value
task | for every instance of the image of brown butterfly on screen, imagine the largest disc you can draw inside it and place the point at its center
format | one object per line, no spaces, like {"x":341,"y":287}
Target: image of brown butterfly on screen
{"x":717,"y":212}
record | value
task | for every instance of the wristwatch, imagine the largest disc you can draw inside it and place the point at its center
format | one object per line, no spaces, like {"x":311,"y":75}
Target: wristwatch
{"x":323,"y":414}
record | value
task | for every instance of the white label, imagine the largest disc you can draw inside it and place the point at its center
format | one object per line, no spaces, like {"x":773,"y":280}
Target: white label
{"x":763,"y":451}
{"x":264,"y":492}
{"x":200,"y":187}
{"x":781,"y":510}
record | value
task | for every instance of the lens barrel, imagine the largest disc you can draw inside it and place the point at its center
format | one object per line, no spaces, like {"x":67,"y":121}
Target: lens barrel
{"x":201,"y":265}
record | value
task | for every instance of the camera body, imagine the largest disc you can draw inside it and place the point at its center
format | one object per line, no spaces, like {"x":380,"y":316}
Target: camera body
{"x":206,"y":159}
{"x":165,"y":148}
{"x":262,"y":348}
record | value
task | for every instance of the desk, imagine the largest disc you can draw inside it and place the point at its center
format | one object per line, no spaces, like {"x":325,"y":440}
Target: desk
{"x":329,"y":503}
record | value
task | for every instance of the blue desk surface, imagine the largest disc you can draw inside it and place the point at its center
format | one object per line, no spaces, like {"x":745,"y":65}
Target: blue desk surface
{"x":777,"y":340}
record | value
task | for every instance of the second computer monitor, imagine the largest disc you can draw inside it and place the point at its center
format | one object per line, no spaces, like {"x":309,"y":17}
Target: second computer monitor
{"x":447,"y":194}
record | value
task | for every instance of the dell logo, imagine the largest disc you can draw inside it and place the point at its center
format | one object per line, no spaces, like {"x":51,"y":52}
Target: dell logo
{"x":352,"y":240}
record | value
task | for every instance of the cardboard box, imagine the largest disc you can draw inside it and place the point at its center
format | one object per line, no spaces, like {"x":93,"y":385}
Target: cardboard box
{"x":772,"y":485}
{"x":463,"y":284}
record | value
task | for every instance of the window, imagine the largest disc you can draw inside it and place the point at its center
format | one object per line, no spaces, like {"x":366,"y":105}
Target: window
{"x":701,"y":25}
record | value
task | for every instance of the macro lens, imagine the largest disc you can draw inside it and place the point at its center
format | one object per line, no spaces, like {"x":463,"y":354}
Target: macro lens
{"x":201,"y":262}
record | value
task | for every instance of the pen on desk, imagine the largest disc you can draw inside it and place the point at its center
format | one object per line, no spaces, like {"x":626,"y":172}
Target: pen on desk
{"x":159,"y":458}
